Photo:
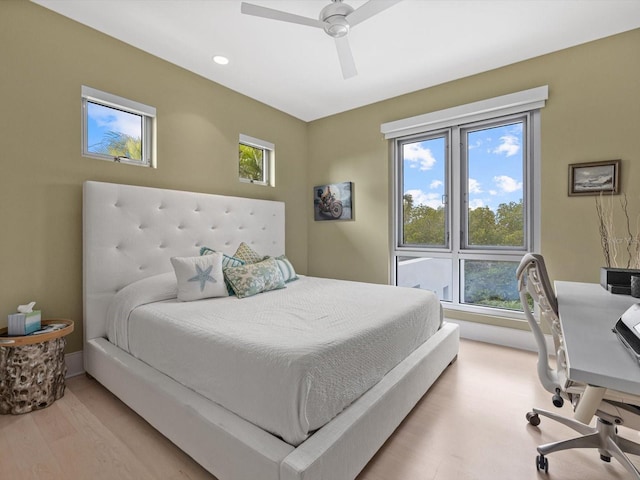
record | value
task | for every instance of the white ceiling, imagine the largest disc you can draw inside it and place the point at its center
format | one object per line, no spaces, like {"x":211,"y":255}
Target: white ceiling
{"x":294,"y":68}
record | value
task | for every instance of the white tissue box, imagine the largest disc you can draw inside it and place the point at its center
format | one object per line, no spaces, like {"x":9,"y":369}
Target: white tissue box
{"x":24,"y":323}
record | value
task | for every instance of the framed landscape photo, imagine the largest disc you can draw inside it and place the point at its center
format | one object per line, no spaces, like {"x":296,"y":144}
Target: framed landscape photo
{"x":594,"y":178}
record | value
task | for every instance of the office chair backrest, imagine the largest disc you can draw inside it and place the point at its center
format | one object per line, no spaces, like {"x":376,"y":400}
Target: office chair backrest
{"x":534,"y":281}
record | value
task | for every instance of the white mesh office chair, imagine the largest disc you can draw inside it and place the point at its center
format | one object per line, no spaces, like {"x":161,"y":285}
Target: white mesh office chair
{"x":616,"y":408}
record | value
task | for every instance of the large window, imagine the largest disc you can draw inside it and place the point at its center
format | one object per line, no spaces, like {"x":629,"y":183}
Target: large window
{"x":255,"y":160}
{"x":117,"y":129}
{"x":466,"y":206}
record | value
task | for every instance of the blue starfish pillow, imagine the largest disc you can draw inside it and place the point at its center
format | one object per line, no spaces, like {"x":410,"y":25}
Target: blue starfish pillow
{"x":199,"y":277}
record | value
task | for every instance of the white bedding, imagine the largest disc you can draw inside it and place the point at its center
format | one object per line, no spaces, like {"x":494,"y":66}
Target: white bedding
{"x":287,"y":360}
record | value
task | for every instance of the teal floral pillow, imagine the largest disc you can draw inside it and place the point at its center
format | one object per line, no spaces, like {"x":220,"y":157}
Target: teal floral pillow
{"x":254,"y":278}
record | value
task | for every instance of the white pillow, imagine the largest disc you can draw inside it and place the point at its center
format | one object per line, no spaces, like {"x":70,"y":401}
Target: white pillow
{"x":199,"y":277}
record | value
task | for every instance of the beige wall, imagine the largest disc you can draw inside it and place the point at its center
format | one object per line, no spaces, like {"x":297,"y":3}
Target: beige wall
{"x":44,"y":60}
{"x":593,"y":113}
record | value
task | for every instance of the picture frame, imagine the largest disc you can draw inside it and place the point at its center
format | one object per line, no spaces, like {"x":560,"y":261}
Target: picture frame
{"x":594,"y":178}
{"x":333,"y":201}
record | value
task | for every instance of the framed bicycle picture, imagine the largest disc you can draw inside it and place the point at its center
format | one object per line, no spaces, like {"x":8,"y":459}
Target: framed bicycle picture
{"x":594,"y":178}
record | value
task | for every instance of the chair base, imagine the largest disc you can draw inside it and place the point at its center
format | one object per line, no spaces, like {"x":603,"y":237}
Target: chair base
{"x":603,"y":436}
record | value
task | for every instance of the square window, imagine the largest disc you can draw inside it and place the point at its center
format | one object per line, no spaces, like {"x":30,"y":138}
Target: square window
{"x":117,"y":129}
{"x":255,"y":160}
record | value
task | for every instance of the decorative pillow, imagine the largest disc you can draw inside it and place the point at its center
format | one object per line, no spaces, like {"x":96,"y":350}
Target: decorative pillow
{"x":199,"y":277}
{"x":248,"y":280}
{"x":227,"y":261}
{"x":247,"y":254}
{"x":288,"y":273}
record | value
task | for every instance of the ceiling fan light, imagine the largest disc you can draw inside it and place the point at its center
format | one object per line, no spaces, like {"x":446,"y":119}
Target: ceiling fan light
{"x":336,"y":26}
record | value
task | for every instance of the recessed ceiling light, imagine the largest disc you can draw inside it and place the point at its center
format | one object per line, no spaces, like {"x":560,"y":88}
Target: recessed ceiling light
{"x":220,"y":60}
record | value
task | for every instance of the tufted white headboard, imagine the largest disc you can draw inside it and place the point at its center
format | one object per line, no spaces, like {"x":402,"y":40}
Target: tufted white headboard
{"x":131,"y":232}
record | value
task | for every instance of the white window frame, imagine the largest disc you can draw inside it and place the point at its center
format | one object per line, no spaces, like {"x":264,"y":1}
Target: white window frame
{"x":268,"y":159}
{"x":148,"y":114}
{"x":528,"y":103}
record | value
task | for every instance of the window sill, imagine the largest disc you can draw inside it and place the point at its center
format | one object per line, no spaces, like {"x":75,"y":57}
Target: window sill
{"x":486,"y":315}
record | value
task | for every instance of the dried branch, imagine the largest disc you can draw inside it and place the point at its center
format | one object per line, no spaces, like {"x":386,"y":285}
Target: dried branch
{"x":606,"y":227}
{"x":604,"y":241}
{"x":636,"y":243}
{"x":629,"y":239}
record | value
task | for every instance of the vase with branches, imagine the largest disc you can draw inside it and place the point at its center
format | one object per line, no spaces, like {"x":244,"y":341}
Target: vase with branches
{"x":610,"y":240}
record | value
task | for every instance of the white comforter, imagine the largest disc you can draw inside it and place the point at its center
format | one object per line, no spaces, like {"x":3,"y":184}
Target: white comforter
{"x":287,"y":360}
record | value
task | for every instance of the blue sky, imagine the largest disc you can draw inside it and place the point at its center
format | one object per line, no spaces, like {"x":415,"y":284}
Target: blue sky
{"x":101,"y":119}
{"x":495,"y":168}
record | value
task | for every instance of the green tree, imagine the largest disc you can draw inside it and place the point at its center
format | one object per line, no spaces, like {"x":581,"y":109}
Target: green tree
{"x":251,"y":162}
{"x":424,"y":225}
{"x":407,"y":206}
{"x":510,"y":224}
{"x":482,"y":227}
{"x":117,"y":144}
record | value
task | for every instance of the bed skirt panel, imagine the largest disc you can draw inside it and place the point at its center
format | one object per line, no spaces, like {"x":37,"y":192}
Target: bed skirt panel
{"x":345,"y":445}
{"x":217,"y":439}
{"x":234,"y":449}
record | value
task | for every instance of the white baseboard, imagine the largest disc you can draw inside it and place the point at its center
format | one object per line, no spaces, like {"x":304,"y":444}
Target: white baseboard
{"x":75,"y":363}
{"x":508,"y":337}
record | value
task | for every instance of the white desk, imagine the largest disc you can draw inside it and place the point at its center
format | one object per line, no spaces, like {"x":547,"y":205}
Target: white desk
{"x":595,"y":356}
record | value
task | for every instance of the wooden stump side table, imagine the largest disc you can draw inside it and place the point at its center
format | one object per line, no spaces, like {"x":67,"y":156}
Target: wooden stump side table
{"x":32,"y":369}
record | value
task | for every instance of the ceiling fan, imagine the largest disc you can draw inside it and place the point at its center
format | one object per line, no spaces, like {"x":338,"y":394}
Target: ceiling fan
{"x":335,"y":19}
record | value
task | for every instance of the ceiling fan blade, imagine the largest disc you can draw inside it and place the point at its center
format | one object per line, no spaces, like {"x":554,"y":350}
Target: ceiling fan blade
{"x":345,"y":56}
{"x":368,"y":10}
{"x":258,"y":11}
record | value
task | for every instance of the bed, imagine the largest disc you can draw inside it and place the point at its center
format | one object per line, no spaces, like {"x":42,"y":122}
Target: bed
{"x":130,"y":234}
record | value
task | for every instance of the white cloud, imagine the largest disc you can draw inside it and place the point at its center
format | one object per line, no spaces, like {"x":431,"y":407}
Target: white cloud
{"x":493,"y":192}
{"x":419,"y":156}
{"x":433,"y":200}
{"x":477,"y":144}
{"x":476,"y":203}
{"x":507,"y":184}
{"x":435,"y":184}
{"x":474,"y":186}
{"x":509,"y":145}
{"x":115,"y":120}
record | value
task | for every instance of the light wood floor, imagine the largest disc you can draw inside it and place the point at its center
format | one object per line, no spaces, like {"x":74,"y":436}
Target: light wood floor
{"x":470,"y":425}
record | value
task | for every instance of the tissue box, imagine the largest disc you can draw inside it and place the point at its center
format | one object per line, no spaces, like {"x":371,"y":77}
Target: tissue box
{"x":24,"y":323}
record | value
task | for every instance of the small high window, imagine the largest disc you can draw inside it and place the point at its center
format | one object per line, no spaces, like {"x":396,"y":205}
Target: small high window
{"x":256,"y":159}
{"x":117,"y":129}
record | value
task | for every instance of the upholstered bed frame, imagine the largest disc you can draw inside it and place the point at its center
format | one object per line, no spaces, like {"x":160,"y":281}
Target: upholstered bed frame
{"x":130,"y":233}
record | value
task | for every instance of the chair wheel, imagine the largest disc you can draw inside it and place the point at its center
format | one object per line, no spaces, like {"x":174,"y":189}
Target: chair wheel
{"x":557,"y":400}
{"x":604,"y":458}
{"x":542,"y":463}
{"x":533,"y":419}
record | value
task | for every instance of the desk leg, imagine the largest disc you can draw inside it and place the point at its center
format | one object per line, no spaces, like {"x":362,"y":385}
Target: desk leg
{"x":589,"y":403}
